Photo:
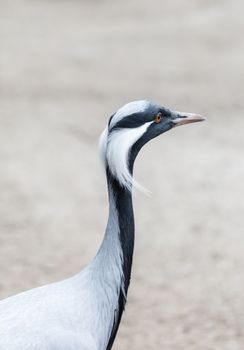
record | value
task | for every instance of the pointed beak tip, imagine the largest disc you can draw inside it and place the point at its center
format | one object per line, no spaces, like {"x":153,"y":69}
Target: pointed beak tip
{"x":201,"y":118}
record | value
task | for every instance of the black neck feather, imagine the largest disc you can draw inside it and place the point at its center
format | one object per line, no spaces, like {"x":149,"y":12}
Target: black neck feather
{"x":123,"y":202}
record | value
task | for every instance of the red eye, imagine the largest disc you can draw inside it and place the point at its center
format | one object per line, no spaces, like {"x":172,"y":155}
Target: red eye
{"x":158,"y":118}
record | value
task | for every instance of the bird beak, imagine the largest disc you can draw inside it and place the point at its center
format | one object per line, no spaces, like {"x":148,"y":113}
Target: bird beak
{"x":187,"y":118}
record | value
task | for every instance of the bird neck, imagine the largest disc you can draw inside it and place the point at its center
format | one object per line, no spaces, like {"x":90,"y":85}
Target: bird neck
{"x":114,"y":258}
{"x":120,"y":201}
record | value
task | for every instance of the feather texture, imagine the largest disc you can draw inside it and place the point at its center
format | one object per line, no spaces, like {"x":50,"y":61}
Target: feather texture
{"x":128,"y":109}
{"x":114,"y":152}
{"x":76,"y":314}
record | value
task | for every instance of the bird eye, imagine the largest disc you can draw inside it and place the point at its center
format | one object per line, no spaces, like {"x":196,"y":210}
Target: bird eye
{"x":158,"y":118}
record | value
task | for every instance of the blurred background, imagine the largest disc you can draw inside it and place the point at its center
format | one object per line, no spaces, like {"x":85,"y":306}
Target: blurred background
{"x":65,"y":67}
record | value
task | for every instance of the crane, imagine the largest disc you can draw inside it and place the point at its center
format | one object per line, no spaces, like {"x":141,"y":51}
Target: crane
{"x":84,"y":311}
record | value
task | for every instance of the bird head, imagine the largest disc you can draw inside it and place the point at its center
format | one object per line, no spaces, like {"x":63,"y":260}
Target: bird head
{"x":131,"y":127}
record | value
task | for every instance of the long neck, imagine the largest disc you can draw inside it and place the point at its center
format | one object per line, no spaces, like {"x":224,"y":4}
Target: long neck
{"x":116,"y":252}
{"x":121,"y":198}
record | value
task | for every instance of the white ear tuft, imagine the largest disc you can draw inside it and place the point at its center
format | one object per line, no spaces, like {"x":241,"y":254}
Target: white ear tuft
{"x":114,"y":152}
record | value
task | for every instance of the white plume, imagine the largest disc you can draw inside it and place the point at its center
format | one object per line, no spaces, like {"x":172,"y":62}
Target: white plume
{"x":114,"y":151}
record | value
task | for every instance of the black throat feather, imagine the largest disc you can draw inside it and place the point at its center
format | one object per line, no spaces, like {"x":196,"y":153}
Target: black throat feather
{"x":123,"y":202}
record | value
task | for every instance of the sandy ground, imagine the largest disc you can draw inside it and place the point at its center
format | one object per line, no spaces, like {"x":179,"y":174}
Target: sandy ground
{"x":65,"y":66}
